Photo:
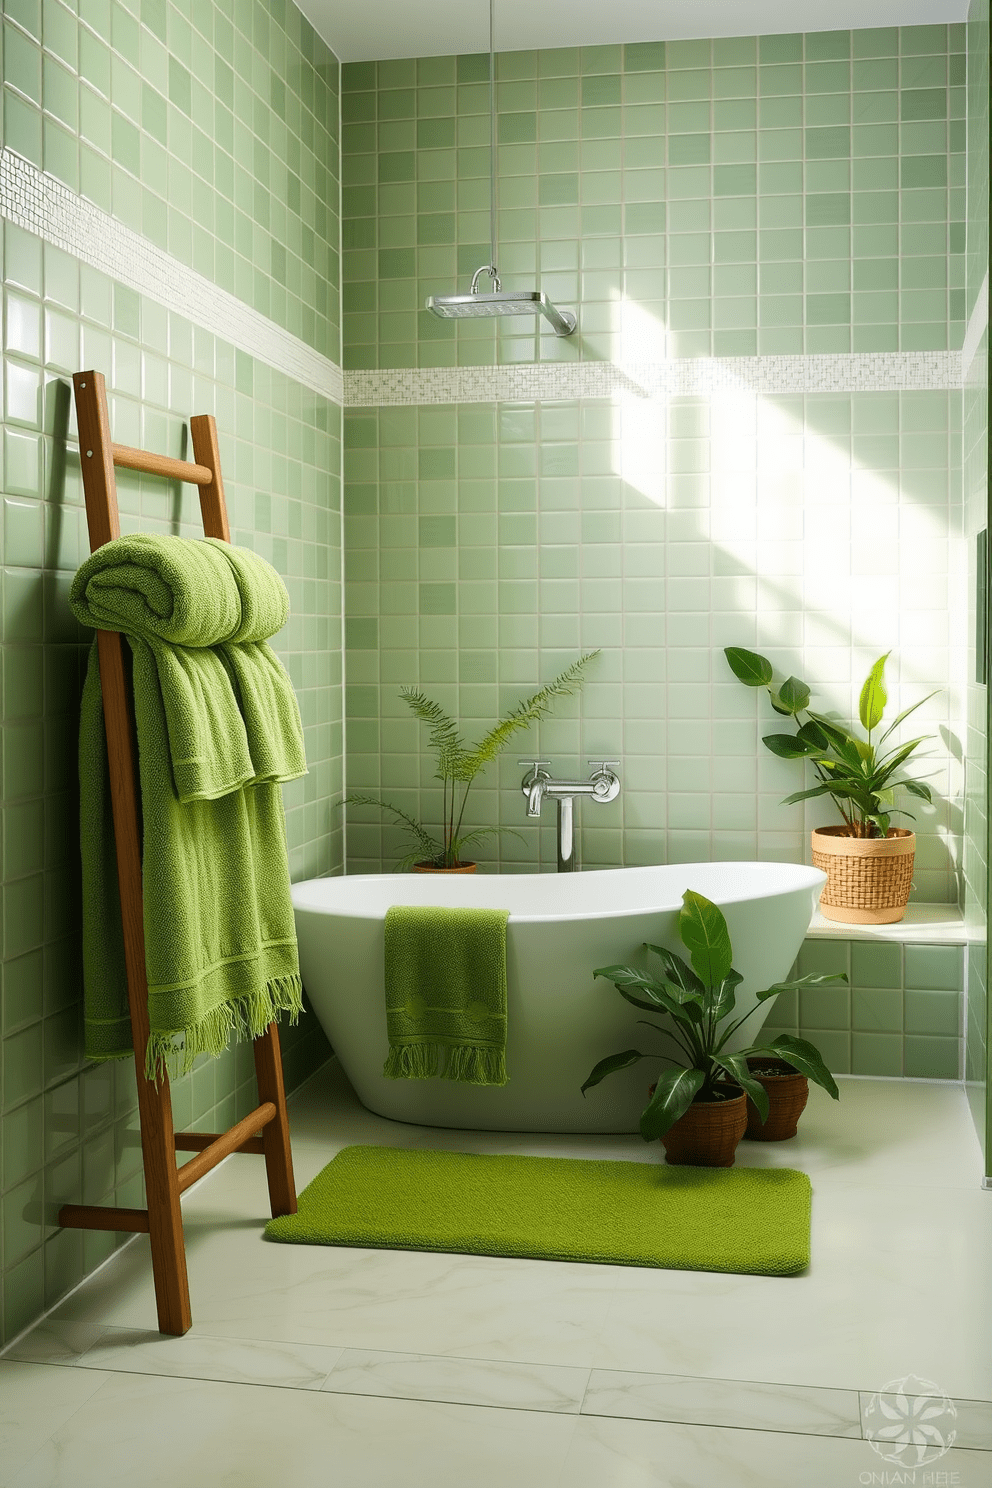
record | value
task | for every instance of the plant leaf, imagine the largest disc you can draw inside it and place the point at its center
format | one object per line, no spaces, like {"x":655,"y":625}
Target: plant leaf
{"x":803,"y":1056}
{"x":427,"y":846}
{"x":812,"y":733}
{"x":531,"y":710}
{"x":703,"y":931}
{"x":610,"y":1065}
{"x":842,"y":744}
{"x":748,"y":667}
{"x":789,"y":746}
{"x":641,"y":989}
{"x":807,"y":795}
{"x":736,"y":1067}
{"x":676,"y":970}
{"x":630,"y":976}
{"x":812,"y":979}
{"x":794,"y":695}
{"x":906,"y":712}
{"x":723,"y":1002}
{"x":444,"y":737}
{"x":778,"y":704}
{"x":915,"y":788}
{"x":874,"y":697}
{"x":673,"y":1096}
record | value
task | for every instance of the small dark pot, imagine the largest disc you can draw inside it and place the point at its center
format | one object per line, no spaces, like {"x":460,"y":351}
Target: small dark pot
{"x":706,"y":1136}
{"x":788,"y":1092}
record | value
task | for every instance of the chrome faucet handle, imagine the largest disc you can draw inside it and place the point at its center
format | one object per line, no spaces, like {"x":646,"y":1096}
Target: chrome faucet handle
{"x":535,"y":764}
{"x":607,"y":782}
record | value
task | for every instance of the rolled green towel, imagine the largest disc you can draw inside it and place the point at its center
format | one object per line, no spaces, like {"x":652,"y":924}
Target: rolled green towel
{"x":188,"y":591}
{"x":220,"y":939}
{"x":445,"y":982}
{"x":204,"y":610}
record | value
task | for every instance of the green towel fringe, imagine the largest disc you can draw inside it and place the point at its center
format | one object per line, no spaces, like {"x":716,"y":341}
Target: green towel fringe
{"x":465,"y":1062}
{"x":174,"y":1053}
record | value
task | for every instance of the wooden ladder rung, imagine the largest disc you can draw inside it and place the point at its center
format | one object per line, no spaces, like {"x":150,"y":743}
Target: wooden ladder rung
{"x":223,"y":1145}
{"x":100,"y":1217}
{"x":212,"y":1147}
{"x":152,"y":464}
{"x":197,"y":1141}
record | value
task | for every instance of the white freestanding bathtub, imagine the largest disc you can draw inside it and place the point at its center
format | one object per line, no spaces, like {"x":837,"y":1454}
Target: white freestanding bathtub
{"x":561,"y":1019}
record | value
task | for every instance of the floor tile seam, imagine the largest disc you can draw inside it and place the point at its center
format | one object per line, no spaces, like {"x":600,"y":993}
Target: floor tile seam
{"x":463,"y":1358}
{"x":763,"y":1429}
{"x":572,"y":1409}
{"x":210,"y":1379}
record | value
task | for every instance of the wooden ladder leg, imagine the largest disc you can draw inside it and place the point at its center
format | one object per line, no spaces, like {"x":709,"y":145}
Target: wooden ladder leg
{"x":275,"y":1136}
{"x":165,"y":1220}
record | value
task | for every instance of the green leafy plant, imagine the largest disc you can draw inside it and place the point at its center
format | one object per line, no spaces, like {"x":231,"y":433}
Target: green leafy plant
{"x":860,"y":774}
{"x":458,"y":764}
{"x":698,"y":1000}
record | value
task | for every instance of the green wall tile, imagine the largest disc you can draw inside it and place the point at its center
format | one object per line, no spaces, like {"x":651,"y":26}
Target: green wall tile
{"x":272,"y":433}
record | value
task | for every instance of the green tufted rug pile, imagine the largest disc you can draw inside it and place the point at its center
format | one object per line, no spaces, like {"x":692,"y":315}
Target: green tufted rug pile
{"x":746,"y":1220}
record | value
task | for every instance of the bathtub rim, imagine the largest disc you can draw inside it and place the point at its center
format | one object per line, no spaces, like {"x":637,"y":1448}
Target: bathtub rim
{"x":807,"y":879}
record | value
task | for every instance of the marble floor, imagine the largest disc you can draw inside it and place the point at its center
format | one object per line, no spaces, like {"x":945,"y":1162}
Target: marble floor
{"x":355,"y":1368}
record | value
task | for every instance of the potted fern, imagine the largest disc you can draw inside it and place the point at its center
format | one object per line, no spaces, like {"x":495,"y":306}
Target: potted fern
{"x":440,"y":849}
{"x":868,"y":862}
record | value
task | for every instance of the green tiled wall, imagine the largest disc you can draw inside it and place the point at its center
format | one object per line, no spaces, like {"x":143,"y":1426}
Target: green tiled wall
{"x":976,"y":517}
{"x":774,"y":194}
{"x":69,"y":1128}
{"x":900,"y":1014}
{"x":209,"y":127}
{"x":488,"y":544}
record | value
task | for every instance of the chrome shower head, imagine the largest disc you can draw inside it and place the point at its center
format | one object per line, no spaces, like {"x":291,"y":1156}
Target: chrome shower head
{"x":500,"y":302}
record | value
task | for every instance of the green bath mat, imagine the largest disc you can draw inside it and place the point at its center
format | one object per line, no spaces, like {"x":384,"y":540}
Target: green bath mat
{"x":748,"y":1220}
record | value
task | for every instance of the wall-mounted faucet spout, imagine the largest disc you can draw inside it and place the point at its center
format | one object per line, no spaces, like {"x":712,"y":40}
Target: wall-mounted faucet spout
{"x":602,"y":785}
{"x":535,"y":784}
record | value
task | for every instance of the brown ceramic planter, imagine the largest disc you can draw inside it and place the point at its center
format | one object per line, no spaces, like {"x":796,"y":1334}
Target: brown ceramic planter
{"x":706,"y":1136}
{"x":787,"y":1091}
{"x":868,"y":878}
{"x":461,"y":868}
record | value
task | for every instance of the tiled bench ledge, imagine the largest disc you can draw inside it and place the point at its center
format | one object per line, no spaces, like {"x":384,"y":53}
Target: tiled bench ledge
{"x":923,"y":924}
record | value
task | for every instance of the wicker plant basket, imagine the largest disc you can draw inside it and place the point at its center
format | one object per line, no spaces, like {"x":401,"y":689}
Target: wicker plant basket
{"x":787,"y":1091}
{"x":708,"y":1134}
{"x":868,"y":878}
{"x":426,"y":868}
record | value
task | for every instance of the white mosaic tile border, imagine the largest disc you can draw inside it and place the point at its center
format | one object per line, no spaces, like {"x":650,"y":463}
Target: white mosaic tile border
{"x":41,"y":205}
{"x":897,"y":371}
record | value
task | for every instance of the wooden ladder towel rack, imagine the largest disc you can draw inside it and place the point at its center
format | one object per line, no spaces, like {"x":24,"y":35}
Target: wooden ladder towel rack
{"x":266,"y":1129}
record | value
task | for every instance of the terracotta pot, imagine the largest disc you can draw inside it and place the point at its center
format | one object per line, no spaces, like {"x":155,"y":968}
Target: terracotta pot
{"x":461,"y":868}
{"x":868,"y":878}
{"x":787,"y":1091}
{"x":706,"y":1136}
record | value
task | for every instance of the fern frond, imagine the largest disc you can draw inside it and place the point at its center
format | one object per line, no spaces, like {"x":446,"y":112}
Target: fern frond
{"x":444,"y":736}
{"x":427,"y":846}
{"x":531,"y":710}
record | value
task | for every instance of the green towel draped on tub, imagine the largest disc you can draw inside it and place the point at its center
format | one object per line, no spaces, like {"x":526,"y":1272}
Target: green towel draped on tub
{"x":218,"y":727}
{"x":445,"y":978}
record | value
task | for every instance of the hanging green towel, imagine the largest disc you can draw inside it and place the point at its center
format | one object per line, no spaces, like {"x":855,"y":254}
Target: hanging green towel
{"x":445,"y":976}
{"x":220,"y":938}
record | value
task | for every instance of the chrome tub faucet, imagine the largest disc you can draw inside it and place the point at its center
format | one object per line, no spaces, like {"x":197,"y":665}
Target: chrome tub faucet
{"x":602,"y":785}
